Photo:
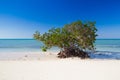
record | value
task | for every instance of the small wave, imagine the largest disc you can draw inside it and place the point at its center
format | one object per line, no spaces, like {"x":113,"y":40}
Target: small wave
{"x":105,"y":55}
{"x":109,"y":46}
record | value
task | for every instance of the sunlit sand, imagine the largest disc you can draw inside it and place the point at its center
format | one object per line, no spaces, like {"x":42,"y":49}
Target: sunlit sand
{"x":49,"y":67}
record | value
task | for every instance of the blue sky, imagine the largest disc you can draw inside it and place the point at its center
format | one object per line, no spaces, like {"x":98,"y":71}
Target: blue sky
{"x":21,"y":18}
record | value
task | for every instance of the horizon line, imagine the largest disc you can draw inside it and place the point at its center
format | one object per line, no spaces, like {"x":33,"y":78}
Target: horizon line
{"x":33,"y":38}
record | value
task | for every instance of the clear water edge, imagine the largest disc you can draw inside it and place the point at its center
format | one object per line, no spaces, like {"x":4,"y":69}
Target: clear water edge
{"x":106,"y":48}
{"x":112,"y":45}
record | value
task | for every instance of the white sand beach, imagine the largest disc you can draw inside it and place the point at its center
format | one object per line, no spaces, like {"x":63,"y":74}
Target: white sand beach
{"x":49,"y":67}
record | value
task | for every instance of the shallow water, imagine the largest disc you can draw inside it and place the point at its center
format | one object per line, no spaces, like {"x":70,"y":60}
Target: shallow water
{"x":112,"y":45}
{"x":105,"y":48}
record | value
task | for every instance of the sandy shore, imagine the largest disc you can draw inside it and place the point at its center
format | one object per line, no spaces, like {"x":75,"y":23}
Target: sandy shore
{"x":49,"y":67}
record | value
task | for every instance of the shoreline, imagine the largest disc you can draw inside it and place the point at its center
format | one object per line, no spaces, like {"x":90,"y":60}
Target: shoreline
{"x":27,"y":55}
{"x":50,"y":55}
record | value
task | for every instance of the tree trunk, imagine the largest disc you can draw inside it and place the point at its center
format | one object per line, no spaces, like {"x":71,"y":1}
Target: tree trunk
{"x":72,"y":52}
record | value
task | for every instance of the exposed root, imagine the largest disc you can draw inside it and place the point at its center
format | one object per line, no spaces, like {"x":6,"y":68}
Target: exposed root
{"x":73,"y":53}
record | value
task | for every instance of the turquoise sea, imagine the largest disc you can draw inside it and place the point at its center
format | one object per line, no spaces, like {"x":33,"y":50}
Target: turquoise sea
{"x":15,"y":45}
{"x":109,"y":47}
{"x":112,"y":45}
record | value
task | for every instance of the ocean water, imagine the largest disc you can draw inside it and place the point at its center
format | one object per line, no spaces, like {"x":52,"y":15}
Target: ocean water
{"x":112,"y":45}
{"x":21,"y":45}
{"x":16,"y":45}
{"x":105,"y":48}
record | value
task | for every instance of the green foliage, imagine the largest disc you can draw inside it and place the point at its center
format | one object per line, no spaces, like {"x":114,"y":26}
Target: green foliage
{"x":78,"y":34}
